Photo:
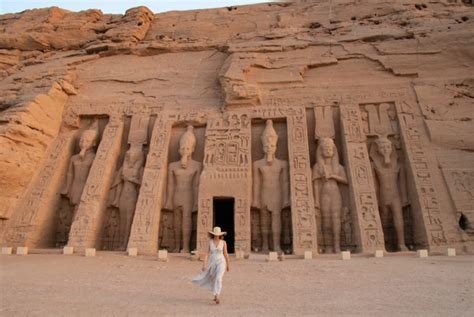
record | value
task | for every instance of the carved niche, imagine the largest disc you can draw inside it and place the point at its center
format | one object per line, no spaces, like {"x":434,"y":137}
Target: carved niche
{"x":389,"y":172}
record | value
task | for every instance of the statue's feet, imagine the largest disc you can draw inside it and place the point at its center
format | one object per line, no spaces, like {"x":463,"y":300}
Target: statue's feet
{"x":185,"y":251}
{"x":337,"y":250}
{"x":402,"y":248}
{"x":175,"y":251}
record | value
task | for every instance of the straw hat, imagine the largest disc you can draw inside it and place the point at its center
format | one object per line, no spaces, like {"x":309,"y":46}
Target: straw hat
{"x":216,"y":231}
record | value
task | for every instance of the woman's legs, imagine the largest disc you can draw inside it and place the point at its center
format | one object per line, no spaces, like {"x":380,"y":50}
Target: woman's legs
{"x":218,"y":282}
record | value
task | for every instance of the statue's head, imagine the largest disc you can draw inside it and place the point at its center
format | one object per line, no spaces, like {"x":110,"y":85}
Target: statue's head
{"x":134,"y":153}
{"x":384,"y":148}
{"x":327,"y":147}
{"x":187,"y":143}
{"x":327,"y":150}
{"x":88,"y":139}
{"x":269,"y":140}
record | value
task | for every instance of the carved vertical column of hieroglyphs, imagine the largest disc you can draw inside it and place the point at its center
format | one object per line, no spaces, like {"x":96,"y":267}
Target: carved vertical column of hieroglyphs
{"x":86,"y":226}
{"x":302,"y":200}
{"x":421,"y":172}
{"x":146,"y":222}
{"x":214,"y":152}
{"x":239,"y":162}
{"x":33,"y":224}
{"x":204,"y":222}
{"x":368,"y":228}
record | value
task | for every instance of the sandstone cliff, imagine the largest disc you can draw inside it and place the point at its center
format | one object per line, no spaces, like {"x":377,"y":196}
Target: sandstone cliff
{"x":52,"y":60}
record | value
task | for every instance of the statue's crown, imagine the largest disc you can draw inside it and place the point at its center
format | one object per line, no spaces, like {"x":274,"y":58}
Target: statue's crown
{"x":269,"y":134}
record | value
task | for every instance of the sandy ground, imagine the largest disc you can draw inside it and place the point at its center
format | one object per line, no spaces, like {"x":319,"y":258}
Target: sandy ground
{"x":112,"y":284}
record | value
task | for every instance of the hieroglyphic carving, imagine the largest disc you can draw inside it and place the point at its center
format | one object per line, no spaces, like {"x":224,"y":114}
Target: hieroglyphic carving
{"x":187,"y":116}
{"x":34,"y":216}
{"x":461,"y":187}
{"x":117,"y":109}
{"x":226,"y":159}
{"x":359,"y":96}
{"x":90,"y":213}
{"x":368,"y":230}
{"x":204,"y":222}
{"x":228,"y":142}
{"x":242,"y":223}
{"x":145,"y":227}
{"x":427,"y":201}
{"x":303,"y":219}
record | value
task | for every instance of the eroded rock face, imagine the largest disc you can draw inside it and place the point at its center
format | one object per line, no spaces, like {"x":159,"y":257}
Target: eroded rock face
{"x":353,"y":74}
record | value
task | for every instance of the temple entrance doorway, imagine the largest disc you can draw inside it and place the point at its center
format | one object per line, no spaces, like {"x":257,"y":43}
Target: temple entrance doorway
{"x":224,"y":218}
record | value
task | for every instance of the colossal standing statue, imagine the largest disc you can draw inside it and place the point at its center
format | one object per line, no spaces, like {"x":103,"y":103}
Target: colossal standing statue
{"x":182,"y":189}
{"x":79,"y":167}
{"x":387,"y":171}
{"x":271,"y":190}
{"x":326,"y":174}
{"x":76,"y":177}
{"x":125,"y":189}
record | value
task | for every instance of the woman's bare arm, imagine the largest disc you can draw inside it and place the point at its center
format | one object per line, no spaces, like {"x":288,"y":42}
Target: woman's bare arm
{"x":226,"y":255}
{"x":204,"y":265}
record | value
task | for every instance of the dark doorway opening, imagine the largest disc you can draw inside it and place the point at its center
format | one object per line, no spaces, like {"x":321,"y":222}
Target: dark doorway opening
{"x":224,"y":218}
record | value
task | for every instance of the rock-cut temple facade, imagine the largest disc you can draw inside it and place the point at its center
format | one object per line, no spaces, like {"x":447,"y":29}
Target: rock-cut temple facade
{"x":305,"y":126}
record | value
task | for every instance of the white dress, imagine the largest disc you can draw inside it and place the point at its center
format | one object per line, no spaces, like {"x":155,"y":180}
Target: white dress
{"x":211,"y":278}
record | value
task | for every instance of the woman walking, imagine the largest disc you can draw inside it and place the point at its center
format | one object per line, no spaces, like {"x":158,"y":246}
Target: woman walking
{"x":215,"y":264}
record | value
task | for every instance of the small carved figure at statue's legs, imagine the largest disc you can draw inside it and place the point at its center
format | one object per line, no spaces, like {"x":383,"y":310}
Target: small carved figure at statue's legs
{"x":255,"y":222}
{"x":127,"y":207}
{"x":187,"y":228}
{"x":331,"y":206}
{"x":276,"y":230}
{"x":397,"y":215}
{"x":326,"y":222}
{"x":123,"y":229}
{"x":336,"y":230}
{"x":64,"y":225}
{"x":286,"y":227}
{"x":336,"y":209}
{"x":385,"y":218}
{"x":265,"y":227}
{"x":327,"y":237}
{"x":177,"y":215}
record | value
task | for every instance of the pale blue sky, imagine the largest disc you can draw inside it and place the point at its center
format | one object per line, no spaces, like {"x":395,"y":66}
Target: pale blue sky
{"x":120,"y":6}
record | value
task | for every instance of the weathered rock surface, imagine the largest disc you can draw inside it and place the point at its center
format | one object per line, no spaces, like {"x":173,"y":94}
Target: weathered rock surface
{"x":305,"y":52}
